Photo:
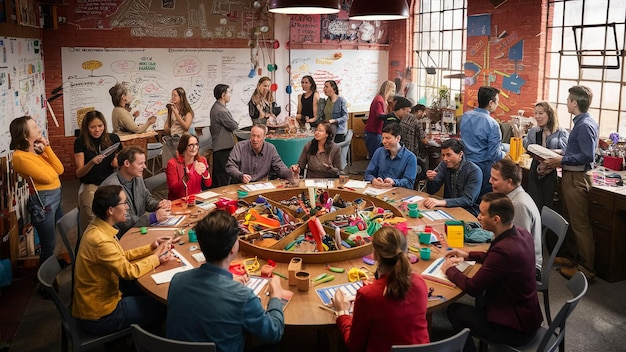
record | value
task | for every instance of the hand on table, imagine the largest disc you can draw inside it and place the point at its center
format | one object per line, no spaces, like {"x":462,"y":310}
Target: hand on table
{"x":163,"y":252}
{"x":430,"y":203}
{"x":275,"y":289}
{"x":246,"y":178}
{"x":450,"y":262}
{"x":340,"y":302}
{"x":165,"y":204}
{"x":456,"y":253}
{"x":242,"y":279}
{"x":389,"y":182}
{"x":431,"y":174}
{"x":161,"y":214}
{"x":379,"y":183}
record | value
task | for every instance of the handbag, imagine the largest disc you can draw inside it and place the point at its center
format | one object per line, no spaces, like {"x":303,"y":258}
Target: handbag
{"x":35,"y":206}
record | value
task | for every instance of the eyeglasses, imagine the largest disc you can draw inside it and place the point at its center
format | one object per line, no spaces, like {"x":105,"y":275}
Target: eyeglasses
{"x":192,"y":145}
{"x":123,"y":203}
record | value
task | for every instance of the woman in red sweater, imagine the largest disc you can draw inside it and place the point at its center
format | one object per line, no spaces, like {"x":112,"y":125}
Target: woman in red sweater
{"x":392,"y":309}
{"x":188,"y":172}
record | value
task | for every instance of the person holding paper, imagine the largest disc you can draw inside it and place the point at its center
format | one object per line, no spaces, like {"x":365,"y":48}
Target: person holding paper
{"x":462,"y":179}
{"x":94,"y":160}
{"x":123,"y":121}
{"x":207,"y":305}
{"x":35,"y":161}
{"x":509,"y":311}
{"x":188,"y":173}
{"x":253,"y":159}
{"x":106,"y":297}
{"x":321,"y":156}
{"x":132,"y":162}
{"x":392,"y":164}
{"x":542,"y":178}
{"x":392,"y":309}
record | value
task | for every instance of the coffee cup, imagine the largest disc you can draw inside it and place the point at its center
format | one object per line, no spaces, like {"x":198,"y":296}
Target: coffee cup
{"x":303,"y":280}
{"x":425,"y":253}
{"x":424,"y":238}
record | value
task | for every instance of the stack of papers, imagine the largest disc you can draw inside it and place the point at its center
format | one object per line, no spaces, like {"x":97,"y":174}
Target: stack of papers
{"x":171,"y":221}
{"x":355,"y":184}
{"x":252,"y":187}
{"x":319,"y":183}
{"x":207,"y":195}
{"x":541,"y":153}
{"x":438,"y":214}
{"x":372,"y":191}
{"x":434,"y":272}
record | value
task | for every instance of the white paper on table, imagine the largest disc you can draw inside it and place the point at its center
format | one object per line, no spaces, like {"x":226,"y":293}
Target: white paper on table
{"x":319,"y":183}
{"x":167,"y":275}
{"x":372,"y":191}
{"x":434,"y":269}
{"x":355,"y":184}
{"x":207,"y":195}
{"x":438,"y":214}
{"x":171,"y":221}
{"x":412,"y":199}
{"x":258,"y":186}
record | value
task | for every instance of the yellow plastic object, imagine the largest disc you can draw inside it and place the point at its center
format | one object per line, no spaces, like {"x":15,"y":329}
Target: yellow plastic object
{"x":356,"y":274}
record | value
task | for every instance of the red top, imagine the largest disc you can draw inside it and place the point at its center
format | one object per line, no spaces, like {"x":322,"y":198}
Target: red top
{"x":176,"y":170}
{"x":379,"y":322}
{"x":377,"y":108}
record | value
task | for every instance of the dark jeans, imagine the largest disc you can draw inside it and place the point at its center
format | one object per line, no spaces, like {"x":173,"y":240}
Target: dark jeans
{"x":220,"y":177}
{"x":46,"y":230}
{"x":372,"y":142}
{"x":340,"y":138}
{"x":464,"y":316}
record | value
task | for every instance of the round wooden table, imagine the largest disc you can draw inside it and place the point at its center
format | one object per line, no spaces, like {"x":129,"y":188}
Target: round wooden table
{"x":303,"y":308}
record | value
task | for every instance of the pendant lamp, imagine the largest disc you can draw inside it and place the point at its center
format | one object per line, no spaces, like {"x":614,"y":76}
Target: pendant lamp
{"x":304,"y":7}
{"x":374,"y":10}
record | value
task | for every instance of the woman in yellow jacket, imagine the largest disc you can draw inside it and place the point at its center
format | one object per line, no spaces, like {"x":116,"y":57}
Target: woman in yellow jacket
{"x":35,"y":161}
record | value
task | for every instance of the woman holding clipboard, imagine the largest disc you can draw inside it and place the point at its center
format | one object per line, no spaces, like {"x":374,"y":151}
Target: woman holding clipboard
{"x":94,"y":153}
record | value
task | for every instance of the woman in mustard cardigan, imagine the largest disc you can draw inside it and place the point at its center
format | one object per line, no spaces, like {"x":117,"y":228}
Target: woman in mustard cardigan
{"x":35,"y":161}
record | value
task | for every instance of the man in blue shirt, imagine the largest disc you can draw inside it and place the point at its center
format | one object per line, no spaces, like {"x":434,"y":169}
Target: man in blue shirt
{"x":392,"y":165}
{"x":482,"y":136}
{"x":207,"y":305}
{"x":461,"y":177}
{"x":578,"y":158}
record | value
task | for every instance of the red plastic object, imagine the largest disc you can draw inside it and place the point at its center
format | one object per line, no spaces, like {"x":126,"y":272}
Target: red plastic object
{"x":237,"y":268}
{"x":227,"y":204}
{"x":315,"y":226}
{"x":274,"y":87}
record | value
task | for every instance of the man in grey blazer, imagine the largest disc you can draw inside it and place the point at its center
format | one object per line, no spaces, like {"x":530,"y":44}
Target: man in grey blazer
{"x":222,"y":126}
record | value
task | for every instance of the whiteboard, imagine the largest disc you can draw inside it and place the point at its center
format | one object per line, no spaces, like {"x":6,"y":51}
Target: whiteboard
{"x":22,"y":85}
{"x":358,"y":73}
{"x":89,"y":73}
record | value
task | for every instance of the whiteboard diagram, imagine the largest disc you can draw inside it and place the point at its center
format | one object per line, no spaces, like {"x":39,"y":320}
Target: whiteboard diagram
{"x":89,"y":73}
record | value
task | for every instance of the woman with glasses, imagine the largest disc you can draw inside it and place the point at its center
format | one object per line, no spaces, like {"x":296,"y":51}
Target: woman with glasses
{"x":188,"y":172}
{"x":321,"y":156}
{"x":307,"y":103}
{"x":106,"y":297}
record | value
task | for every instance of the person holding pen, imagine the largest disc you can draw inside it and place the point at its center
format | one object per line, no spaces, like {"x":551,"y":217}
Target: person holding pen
{"x":106,"y":297}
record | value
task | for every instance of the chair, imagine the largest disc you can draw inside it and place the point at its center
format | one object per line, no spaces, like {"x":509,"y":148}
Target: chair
{"x":553,"y":337}
{"x":148,"y":342}
{"x":550,"y":220}
{"x":451,"y":344}
{"x":155,"y":181}
{"x":345,"y":147}
{"x":64,"y":225}
{"x":204,"y":141}
{"x":154,"y":151}
{"x":47,"y":274}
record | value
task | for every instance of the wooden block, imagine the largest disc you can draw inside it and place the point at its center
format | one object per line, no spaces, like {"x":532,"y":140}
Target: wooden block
{"x":295,"y":265}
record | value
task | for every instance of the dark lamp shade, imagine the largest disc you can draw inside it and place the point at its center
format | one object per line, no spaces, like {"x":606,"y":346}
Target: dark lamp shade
{"x":377,"y":10}
{"x":304,"y":7}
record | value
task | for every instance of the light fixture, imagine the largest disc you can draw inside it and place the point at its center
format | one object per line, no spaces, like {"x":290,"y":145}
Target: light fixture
{"x":375,"y":10}
{"x":304,"y":7}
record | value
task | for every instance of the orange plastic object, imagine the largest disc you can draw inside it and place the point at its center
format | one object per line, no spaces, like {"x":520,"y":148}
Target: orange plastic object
{"x":262,"y":220}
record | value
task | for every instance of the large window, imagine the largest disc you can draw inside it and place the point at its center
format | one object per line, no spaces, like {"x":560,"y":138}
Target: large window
{"x":439,"y":40}
{"x":585,"y":46}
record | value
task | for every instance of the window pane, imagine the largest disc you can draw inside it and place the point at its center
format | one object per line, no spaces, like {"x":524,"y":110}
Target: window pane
{"x":457,"y":19}
{"x":596,"y":88}
{"x":618,"y":11}
{"x":447,"y":20}
{"x":556,"y":39}
{"x":553,"y":94}
{"x":447,"y":43}
{"x":425,"y":25}
{"x":569,"y":67}
{"x":554,"y":64}
{"x":565,"y":118}
{"x":595,"y":11}
{"x":610,"y":96}
{"x":573,"y":12}
{"x":608,"y":119}
{"x":557,"y":13}
{"x":592,"y":73}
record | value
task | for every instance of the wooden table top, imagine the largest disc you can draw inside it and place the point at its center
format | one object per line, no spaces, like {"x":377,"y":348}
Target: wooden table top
{"x":303,"y":308}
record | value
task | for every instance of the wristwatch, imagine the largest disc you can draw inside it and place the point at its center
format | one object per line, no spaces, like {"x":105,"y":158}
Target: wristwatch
{"x":342,"y":312}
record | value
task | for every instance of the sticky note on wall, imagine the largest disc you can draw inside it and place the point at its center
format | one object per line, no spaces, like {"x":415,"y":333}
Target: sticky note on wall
{"x":455,"y":232}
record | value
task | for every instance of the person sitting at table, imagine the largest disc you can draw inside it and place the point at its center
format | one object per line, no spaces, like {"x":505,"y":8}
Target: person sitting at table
{"x":132,"y":162}
{"x":335,"y":110}
{"x":123,"y":121}
{"x":188,"y":173}
{"x":92,"y":167}
{"x":392,"y":309}
{"x":321,"y":156}
{"x":392,"y":164}
{"x":307,"y":103}
{"x":104,"y":301}
{"x":506,"y":178}
{"x":509,"y":312}
{"x":401,"y":107}
{"x":253,"y":159}
{"x":223,"y":309}
{"x":461,"y":177}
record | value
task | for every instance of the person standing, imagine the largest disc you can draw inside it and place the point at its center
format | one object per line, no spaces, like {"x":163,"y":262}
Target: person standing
{"x":401,"y":108}
{"x":261,"y":104}
{"x":222,"y":126}
{"x":374,"y":125}
{"x":578,"y":158}
{"x":542,"y":179}
{"x":481,"y":134}
{"x":392,"y":309}
{"x":178,"y":121}
{"x":92,"y":166}
{"x":307,"y":103}
{"x":123,"y":122}
{"x":413,"y":136}
{"x":336,"y":110}
{"x":509,"y":310}
{"x":35,"y":161}
{"x":188,"y":172}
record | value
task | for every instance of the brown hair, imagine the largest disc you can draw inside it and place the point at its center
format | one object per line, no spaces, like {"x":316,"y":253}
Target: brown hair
{"x":256,"y":96}
{"x":86,"y":137}
{"x":391,"y":247}
{"x":329,"y":140}
{"x":387,"y":90}
{"x":129,"y":153}
{"x":553,"y":122}
{"x":19,"y":133}
{"x":184,"y":142}
{"x":582,"y":96}
{"x":116,"y":93}
{"x":501,"y":205}
{"x":509,"y":170}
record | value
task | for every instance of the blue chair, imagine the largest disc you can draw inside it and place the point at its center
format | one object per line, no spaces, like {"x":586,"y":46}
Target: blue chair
{"x":345,"y":148}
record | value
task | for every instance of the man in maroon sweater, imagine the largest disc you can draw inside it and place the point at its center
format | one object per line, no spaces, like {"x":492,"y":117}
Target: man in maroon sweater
{"x":509,"y":311}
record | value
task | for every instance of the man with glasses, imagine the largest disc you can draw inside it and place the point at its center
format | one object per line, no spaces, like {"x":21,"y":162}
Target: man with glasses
{"x":222,"y":126}
{"x":132,"y":162}
{"x":254,"y":159}
{"x":481,"y":135}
